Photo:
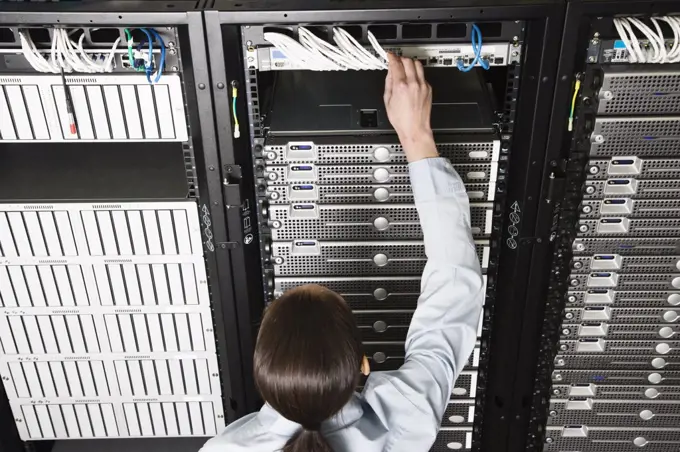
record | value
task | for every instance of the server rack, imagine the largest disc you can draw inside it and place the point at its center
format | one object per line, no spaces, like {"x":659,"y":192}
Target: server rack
{"x":604,"y":375}
{"x":132,"y":194}
{"x":260,"y":186}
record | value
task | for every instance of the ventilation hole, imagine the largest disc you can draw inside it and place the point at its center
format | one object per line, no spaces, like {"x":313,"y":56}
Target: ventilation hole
{"x":282,"y":30}
{"x":104,"y":35}
{"x":319,"y":32}
{"x":383,"y":31}
{"x":6,"y":35}
{"x":451,"y":30}
{"x":490,"y":29}
{"x":355,"y":31}
{"x":416,"y":31}
{"x":40,"y":35}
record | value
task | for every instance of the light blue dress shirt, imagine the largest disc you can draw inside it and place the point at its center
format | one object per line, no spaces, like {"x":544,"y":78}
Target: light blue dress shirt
{"x":401,"y":410}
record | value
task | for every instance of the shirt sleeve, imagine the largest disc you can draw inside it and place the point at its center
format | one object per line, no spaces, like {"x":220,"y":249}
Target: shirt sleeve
{"x":443,"y":331}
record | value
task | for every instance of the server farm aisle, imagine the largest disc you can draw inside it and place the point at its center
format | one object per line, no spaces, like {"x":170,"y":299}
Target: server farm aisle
{"x":615,"y":379}
{"x":106,"y":317}
{"x":329,"y":180}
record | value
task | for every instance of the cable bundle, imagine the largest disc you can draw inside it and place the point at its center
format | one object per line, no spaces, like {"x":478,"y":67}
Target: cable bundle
{"x":656,"y":50}
{"x":65,"y":55}
{"x":315,"y":54}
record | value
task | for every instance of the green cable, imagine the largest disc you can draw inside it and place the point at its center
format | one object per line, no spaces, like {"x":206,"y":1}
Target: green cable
{"x":131,"y":57}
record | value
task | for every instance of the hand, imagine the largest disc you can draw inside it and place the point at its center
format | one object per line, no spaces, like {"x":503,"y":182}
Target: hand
{"x":408,"y":101}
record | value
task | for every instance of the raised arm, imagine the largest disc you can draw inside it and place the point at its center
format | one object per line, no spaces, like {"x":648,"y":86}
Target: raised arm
{"x":443,"y":330}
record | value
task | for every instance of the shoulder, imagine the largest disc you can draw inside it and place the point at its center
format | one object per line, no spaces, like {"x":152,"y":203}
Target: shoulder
{"x":238,"y":436}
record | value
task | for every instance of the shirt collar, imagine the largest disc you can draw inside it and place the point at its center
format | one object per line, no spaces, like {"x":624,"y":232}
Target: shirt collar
{"x":279,"y":425}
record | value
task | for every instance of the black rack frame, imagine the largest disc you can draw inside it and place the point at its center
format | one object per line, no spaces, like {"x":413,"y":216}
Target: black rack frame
{"x":209,"y":194}
{"x":495,"y":415}
{"x":567,"y":154}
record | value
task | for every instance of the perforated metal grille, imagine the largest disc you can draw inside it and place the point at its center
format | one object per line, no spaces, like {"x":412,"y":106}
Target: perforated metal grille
{"x":614,"y":362}
{"x":614,"y":440}
{"x":623,"y":298}
{"x":332,"y":154}
{"x":448,"y":440}
{"x":646,"y":93}
{"x":613,"y":378}
{"x":627,"y":281}
{"x":362,"y":222}
{"x":626,"y":332}
{"x":363,"y":194}
{"x":383,"y":325}
{"x":356,"y":259}
{"x":646,"y":189}
{"x":390,"y":356}
{"x":613,"y":347}
{"x":627,"y":391}
{"x":632,"y":264}
{"x":627,"y":246}
{"x":616,"y":414}
{"x":459,"y":414}
{"x":642,"y":208}
{"x":641,"y":228}
{"x":465,"y":385}
{"x":364,"y":174}
{"x":649,"y":137}
{"x":650,"y":169}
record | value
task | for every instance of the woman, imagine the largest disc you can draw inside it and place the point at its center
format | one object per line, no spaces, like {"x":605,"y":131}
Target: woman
{"x":309,"y":357}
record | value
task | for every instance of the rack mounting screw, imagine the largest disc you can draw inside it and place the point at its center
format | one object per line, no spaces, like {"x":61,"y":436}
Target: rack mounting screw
{"x":580,"y":247}
{"x":590,"y":189}
{"x":591,"y":59}
{"x":574,"y":282}
{"x":172,"y":52}
{"x":586,"y":209}
{"x":566,"y":331}
{"x":249,"y":43}
{"x":201,"y":86}
{"x":220,"y":85}
{"x":556,"y":392}
{"x":175,"y":68}
{"x":569,"y":316}
{"x":558,"y":377}
{"x":560,"y":362}
{"x":578,"y":265}
{"x":583,"y":228}
{"x":549,"y":440}
{"x":553,"y":413}
{"x":564,"y":347}
{"x":571,"y":299}
{"x":594,"y":169}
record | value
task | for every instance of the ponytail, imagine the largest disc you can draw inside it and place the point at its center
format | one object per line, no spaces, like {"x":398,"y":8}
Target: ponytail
{"x":307,"y":361}
{"x":307,"y":441}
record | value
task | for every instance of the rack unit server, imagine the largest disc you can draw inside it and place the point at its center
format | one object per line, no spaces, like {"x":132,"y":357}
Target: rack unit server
{"x":606,"y":375}
{"x":108,"y":294}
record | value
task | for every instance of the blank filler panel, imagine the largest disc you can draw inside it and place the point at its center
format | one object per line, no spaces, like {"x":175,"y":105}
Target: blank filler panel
{"x":52,"y":421}
{"x":106,"y":108}
{"x":81,"y":229}
{"x":102,"y":305}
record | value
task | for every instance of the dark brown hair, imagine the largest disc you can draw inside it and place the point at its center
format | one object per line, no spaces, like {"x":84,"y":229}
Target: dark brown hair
{"x":307,"y":361}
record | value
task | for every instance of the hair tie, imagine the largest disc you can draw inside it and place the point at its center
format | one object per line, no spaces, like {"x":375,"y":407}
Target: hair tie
{"x":312,"y":427}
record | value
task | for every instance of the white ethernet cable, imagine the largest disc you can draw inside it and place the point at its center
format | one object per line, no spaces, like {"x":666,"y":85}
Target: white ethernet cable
{"x":65,"y":54}
{"x":315,"y":54}
{"x":655,"y":49}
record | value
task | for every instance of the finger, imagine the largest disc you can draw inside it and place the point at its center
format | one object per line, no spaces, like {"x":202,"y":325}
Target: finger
{"x":409,"y":69}
{"x":397,"y":69}
{"x":420,"y":72}
{"x":388,"y":83}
